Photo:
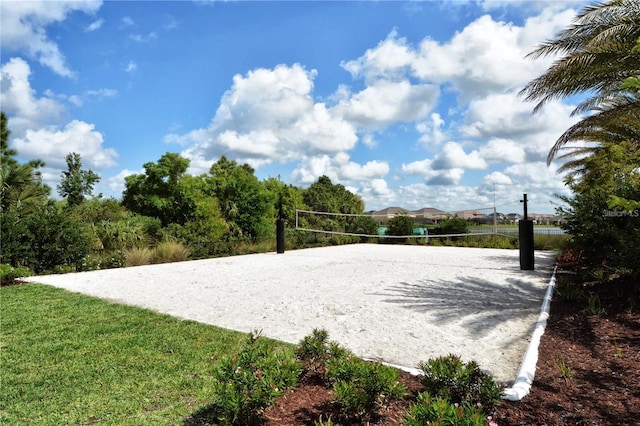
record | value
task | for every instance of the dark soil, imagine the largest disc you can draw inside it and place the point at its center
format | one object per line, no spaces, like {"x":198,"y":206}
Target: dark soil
{"x":599,"y":386}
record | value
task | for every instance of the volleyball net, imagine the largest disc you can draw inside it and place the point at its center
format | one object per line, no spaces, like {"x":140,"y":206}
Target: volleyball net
{"x":420,"y":224}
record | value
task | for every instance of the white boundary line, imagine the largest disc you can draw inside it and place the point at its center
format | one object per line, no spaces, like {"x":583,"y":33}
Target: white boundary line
{"x":522,"y":385}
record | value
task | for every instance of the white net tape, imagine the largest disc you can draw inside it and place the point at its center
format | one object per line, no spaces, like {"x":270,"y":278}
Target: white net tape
{"x":305,"y":222}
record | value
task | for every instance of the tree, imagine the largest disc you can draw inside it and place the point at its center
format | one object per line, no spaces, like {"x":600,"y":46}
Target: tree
{"x":289,"y":198}
{"x":602,"y":60}
{"x":245,"y":204}
{"x":324,"y":196}
{"x":159,"y":191}
{"x":600,"y":57}
{"x":75,"y":182}
{"x":6,"y":154}
{"x":401,"y":226}
{"x":21,"y":185}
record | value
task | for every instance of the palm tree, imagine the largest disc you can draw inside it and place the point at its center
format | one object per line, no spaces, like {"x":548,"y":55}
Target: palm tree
{"x":21,"y":187}
{"x":600,"y":58}
{"x":614,"y":123}
{"x":20,"y":184}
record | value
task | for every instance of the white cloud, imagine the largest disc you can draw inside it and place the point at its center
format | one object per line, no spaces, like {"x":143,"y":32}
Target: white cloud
{"x":36,"y":125}
{"x":504,"y":117}
{"x":433,"y":175}
{"x":385,"y":102}
{"x":269,"y":115}
{"x":19,"y":100}
{"x":24,"y":28}
{"x":497,"y":178}
{"x":431,"y":130}
{"x":53,"y":144}
{"x":499,"y":150}
{"x":387,"y":60}
{"x":131,"y":66}
{"x":339,"y":168}
{"x":139,"y":38}
{"x":102,"y":93}
{"x":454,"y":157}
{"x":127,"y":21}
{"x":95,"y":25}
{"x":486,"y":56}
{"x":376,"y":194}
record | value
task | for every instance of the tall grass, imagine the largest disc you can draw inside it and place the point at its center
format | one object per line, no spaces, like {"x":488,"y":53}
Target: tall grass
{"x":170,"y":251}
{"x":555,"y":242}
{"x":138,"y":256}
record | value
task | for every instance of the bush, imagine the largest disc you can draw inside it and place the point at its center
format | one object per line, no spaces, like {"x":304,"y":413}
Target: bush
{"x":103,"y":260}
{"x":315,"y":350}
{"x":8,"y":273}
{"x":137,"y":256}
{"x":361,"y":387}
{"x":440,"y":411}
{"x":249,"y":382}
{"x":400,"y":225}
{"x":169,"y":251}
{"x":43,"y":240}
{"x":452,"y":225}
{"x":450,"y":378}
{"x":136,"y":231}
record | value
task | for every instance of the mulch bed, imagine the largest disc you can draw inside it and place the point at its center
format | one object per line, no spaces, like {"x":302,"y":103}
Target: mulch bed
{"x":601,"y":354}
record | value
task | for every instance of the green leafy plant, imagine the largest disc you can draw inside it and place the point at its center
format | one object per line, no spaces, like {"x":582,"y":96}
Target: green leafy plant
{"x":42,"y":240}
{"x":327,"y":422}
{"x":247,"y":383}
{"x":430,"y":409}
{"x":570,"y":292}
{"x":564,"y":369}
{"x":8,"y":273}
{"x":316,"y":349}
{"x":617,"y":349}
{"x":450,"y":378}
{"x":594,"y":305}
{"x":362,"y":387}
{"x":400,"y":225}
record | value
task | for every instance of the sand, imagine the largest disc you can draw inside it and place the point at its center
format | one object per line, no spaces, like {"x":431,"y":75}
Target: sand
{"x":392,"y":303}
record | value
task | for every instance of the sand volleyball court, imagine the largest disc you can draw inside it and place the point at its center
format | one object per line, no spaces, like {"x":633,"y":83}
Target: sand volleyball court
{"x":398,"y":304}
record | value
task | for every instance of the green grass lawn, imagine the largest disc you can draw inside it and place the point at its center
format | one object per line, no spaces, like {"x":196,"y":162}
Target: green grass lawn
{"x":67,"y":359}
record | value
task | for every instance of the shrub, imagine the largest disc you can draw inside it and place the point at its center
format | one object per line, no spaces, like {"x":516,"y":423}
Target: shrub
{"x":103,"y":260}
{"x":315,"y":350}
{"x":362,"y":387}
{"x":8,"y":273}
{"x":169,"y":251}
{"x":400,"y":225}
{"x":449,"y":378}
{"x":138,"y":256}
{"x":453,"y":225}
{"x":247,"y":383}
{"x":136,"y":231}
{"x":43,"y":240}
{"x":440,"y":411}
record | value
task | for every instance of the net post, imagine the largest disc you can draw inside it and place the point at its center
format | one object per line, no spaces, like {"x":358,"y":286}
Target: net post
{"x":495,"y":221}
{"x":525,"y":234}
{"x":280,"y":231}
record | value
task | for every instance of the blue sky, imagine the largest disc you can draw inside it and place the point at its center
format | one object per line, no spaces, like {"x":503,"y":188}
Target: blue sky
{"x":410,"y":104}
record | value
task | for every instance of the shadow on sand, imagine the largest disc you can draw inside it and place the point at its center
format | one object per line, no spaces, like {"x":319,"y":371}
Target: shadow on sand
{"x":479,"y":305}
